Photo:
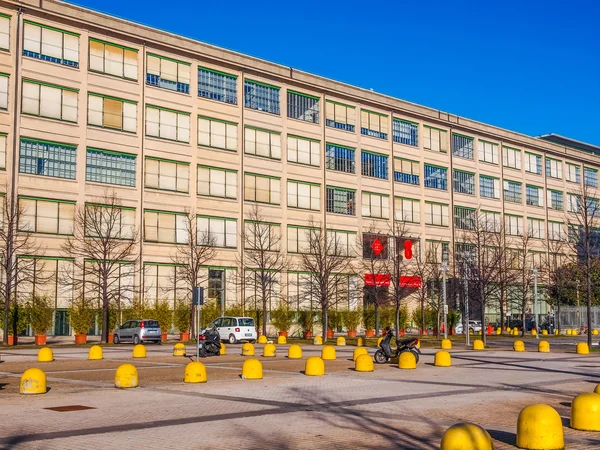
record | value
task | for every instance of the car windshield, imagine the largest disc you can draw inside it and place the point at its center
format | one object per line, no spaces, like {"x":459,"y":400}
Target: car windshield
{"x":151,"y":323}
{"x":246,"y":322}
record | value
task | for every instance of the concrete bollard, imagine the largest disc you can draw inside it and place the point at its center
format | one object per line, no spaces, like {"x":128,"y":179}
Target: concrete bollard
{"x":544,"y":332}
{"x":544,"y":347}
{"x":247,"y":349}
{"x":341,"y":341}
{"x":466,"y":436}
{"x":585,"y":412}
{"x":33,"y":381}
{"x":519,"y":346}
{"x":556,"y":333}
{"x":223,"y":349}
{"x":478,"y":345}
{"x":95,"y":353}
{"x":446,"y":344}
{"x":314,"y":367}
{"x":295,"y":352}
{"x":359,"y":351}
{"x":533,"y":332}
{"x":126,"y":376}
{"x":252,"y":369}
{"x":498,"y":331}
{"x":508,"y":330}
{"x":328,"y":353}
{"x":442,"y":359}
{"x":139,"y":351}
{"x":317,"y":340}
{"x":195,"y":372}
{"x":595,"y":332}
{"x":262,"y":339}
{"x":539,"y":427}
{"x":568,"y":332}
{"x":281,"y":340}
{"x":582,"y":348}
{"x":597,"y":389}
{"x":45,"y":354}
{"x":179,"y":349}
{"x":360,"y":342}
{"x":364,"y":363}
{"x":407,"y":360}
{"x":269,"y":350}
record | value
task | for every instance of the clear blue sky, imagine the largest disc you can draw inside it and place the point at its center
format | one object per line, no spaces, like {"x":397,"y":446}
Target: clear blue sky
{"x":531,"y":66}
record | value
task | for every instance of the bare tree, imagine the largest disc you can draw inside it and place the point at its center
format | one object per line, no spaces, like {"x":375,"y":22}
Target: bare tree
{"x":523,"y":266}
{"x":104,"y":247}
{"x":425,"y":266}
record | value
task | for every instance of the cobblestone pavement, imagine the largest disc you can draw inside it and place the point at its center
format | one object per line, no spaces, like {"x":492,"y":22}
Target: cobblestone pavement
{"x":388,"y":408}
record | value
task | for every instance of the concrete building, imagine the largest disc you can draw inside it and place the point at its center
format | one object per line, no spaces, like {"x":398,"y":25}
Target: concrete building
{"x":91,"y":102}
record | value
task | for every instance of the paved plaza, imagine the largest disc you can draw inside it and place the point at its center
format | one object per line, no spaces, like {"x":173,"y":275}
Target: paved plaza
{"x":387,"y":408}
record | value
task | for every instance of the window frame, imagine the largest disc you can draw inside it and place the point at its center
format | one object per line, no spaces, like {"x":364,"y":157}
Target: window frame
{"x":483,"y":191}
{"x":509,"y":225}
{"x":585,"y":177}
{"x":540,"y":195}
{"x":344,"y":126}
{"x":150,"y":81}
{"x":36,"y":217}
{"x":368,"y":157}
{"x":272,"y":146}
{"x":399,"y":134}
{"x":463,"y":150}
{"x":226,"y":138}
{"x":111,"y":44}
{"x":177,"y":126}
{"x":330,"y":205}
{"x":291,"y":106}
{"x":167,"y":161}
{"x":225,"y":220}
{"x":62,"y":148}
{"x":158,"y":214}
{"x":219,"y":169}
{"x":442,"y":184}
{"x":381,"y":205}
{"x":271,"y":179}
{"x":369,"y":130}
{"x":443,"y":139}
{"x":540,"y":229}
{"x":538,"y":163}
{"x":404,"y":177}
{"x":432,"y":214}
{"x":122,"y":101}
{"x":62,"y":89}
{"x":517,"y":158}
{"x":226,"y":96}
{"x":461,"y":186}
{"x":111,"y":153}
{"x":495,"y":151}
{"x":333,"y":162}
{"x":271,"y":98}
{"x":401,"y":208}
{"x":311,"y":153}
{"x":305,"y":183}
{"x":508,"y":195}
{"x":41,"y":56}
{"x":9,"y":18}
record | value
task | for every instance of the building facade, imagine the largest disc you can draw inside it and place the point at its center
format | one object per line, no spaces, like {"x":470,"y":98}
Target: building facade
{"x":90,"y":102}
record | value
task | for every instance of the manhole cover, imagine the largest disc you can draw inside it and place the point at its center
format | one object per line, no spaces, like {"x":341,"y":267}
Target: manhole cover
{"x":69,"y":408}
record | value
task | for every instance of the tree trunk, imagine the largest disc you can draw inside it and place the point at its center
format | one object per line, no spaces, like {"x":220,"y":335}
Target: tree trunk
{"x":264,"y":316}
{"x":557,"y":318}
{"x":482,"y":316}
{"x":589,"y":300}
{"x":422,"y":315}
{"x":376,"y":319}
{"x":104,"y":337}
{"x":397,"y":320}
{"x":324,"y":323}
{"x":501,"y":309}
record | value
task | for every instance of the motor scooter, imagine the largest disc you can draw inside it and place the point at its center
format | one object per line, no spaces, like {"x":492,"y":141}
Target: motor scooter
{"x":209,"y":343}
{"x":385,"y":352}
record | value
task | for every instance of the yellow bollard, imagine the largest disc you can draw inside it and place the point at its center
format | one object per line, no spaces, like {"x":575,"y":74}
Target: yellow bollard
{"x":544,"y":347}
{"x":544,"y":332}
{"x":33,"y":381}
{"x":341,"y":341}
{"x":262,"y":339}
{"x":360,"y":342}
{"x":139,"y":351}
{"x":179,"y":349}
{"x":281,"y":340}
{"x":539,"y":427}
{"x":407,"y":361}
{"x":498,"y":331}
{"x":314,"y":367}
{"x":126,"y":376}
{"x":508,"y":330}
{"x":359,"y":351}
{"x":446,"y":344}
{"x":364,"y":363}
{"x":295,"y":352}
{"x":480,"y":332}
{"x":583,"y":348}
{"x":595,"y":332}
{"x":223,"y":350}
{"x":252,"y":369}
{"x":519,"y":346}
{"x":471,"y":332}
{"x":466,"y":436}
{"x":269,"y":350}
{"x":585,"y":412}
{"x":568,"y":333}
{"x":328,"y":353}
{"x":45,"y":355}
{"x":597,"y":390}
{"x":95,"y":353}
{"x":195,"y":372}
{"x":478,"y":345}
{"x":442,"y":359}
{"x":533,"y":332}
{"x":556,"y":333}
{"x":247,"y":349}
{"x":317,"y":340}
{"x":515,"y":331}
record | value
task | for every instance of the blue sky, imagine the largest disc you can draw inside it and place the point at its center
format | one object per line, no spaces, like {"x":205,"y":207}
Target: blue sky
{"x":528,"y":66}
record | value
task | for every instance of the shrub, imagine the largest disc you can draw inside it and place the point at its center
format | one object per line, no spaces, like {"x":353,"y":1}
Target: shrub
{"x":352,"y":318}
{"x":282,"y":317}
{"x":306,"y":320}
{"x":81,"y":316}
{"x":164,"y":314}
{"x":182,"y":316}
{"x":17,"y":315}
{"x":235,"y":310}
{"x":334,"y":319}
{"x":39,"y":312}
{"x":369,"y":317}
{"x":209,"y":312}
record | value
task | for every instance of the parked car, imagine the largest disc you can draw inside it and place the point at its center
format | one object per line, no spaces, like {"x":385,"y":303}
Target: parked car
{"x":138,"y":331}
{"x":518,"y":323}
{"x":474,"y":326}
{"x":235,"y":329}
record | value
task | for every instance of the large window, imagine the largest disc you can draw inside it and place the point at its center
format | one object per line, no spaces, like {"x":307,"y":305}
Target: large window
{"x":534,"y":195}
{"x":42,"y":215}
{"x":574,"y":203}
{"x":303,"y":195}
{"x":261,"y":96}
{"x":167,"y":175}
{"x":298,"y":239}
{"x":168,"y":73}
{"x":339,"y":158}
{"x":340,"y":116}
{"x":165,"y":227}
{"x":553,"y":168}
{"x":3,"y":88}
{"x":113,"y":59}
{"x":573,"y":173}
{"x":104,"y":166}
{"x":4,"y":31}
{"x":216,"y":85}
{"x":118,"y":222}
{"x":464,"y":182}
{"x":167,"y":124}
{"x":408,"y":210}
{"x":49,"y":100}
{"x":512,"y":191}
{"x":345,"y":242}
{"x":513,"y":225}
{"x":511,"y":157}
{"x":47,"y":158}
{"x":407,"y":171}
{"x":262,"y":235}
{"x":375,"y":205}
{"x":491,"y":221}
{"x":436,"y":252}
{"x":303,"y":106}
{"x":217,"y":231}
{"x":465,"y":218}
{"x":555,"y":200}
{"x":217,"y":182}
{"x":590,"y":177}
{"x":436,"y":214}
{"x":535,"y":228}
{"x":555,"y":231}
{"x":264,"y":143}
{"x":489,"y":186}
{"x":111,"y":112}
{"x":406,"y":132}
{"x":374,"y":165}
{"x":435,"y":139}
{"x":303,"y":151}
{"x":50,"y":44}
{"x":262,"y":188}
{"x":462,"y":146}
{"x":373,"y":124}
{"x":3,"y":137}
{"x":436,"y":177}
{"x":341,"y":201}
{"x":533,"y":163}
{"x":488,"y":152}
{"x":217,"y":133}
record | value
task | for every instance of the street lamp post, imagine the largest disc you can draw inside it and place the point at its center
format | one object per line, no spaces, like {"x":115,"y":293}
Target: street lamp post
{"x":444,"y":270}
{"x":466,"y":320}
{"x":535,"y":301}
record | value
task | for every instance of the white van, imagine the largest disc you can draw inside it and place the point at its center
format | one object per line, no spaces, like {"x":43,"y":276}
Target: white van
{"x":235,"y":329}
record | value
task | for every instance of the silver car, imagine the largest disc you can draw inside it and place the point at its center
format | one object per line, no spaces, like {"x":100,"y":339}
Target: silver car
{"x":137,"y":331}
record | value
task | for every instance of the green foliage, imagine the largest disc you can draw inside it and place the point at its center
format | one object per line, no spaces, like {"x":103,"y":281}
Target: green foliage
{"x":128,"y":314}
{"x":182,"y":316}
{"x":369,"y":316}
{"x":235,"y":311}
{"x":404,"y":316}
{"x":39,"y":312}
{"x":387,"y":317}
{"x":282,"y":317}
{"x":209,"y":312}
{"x":257,"y":315}
{"x":306,"y":319}
{"x":81,"y":316}
{"x":453,"y":317}
{"x":163,"y":313}
{"x":17,"y":315}
{"x":430,"y":318}
{"x":334,"y":319}
{"x":352,"y":318}
{"x":114,"y":318}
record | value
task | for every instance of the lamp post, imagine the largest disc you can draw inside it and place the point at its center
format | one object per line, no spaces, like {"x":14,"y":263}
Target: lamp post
{"x":466,"y":320}
{"x":444,"y":270}
{"x":535,"y":300}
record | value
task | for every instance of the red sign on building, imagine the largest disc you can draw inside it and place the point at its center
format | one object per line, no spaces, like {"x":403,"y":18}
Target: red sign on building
{"x":410,"y":282}
{"x":378,"y":279}
{"x":377,"y":246}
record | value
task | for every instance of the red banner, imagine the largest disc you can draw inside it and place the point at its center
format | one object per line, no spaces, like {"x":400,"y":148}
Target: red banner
{"x":378,"y":279}
{"x":410,"y":282}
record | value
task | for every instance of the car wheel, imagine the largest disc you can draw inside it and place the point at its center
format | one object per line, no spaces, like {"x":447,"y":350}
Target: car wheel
{"x":232,"y":339}
{"x":136,"y":339}
{"x":116,"y":339}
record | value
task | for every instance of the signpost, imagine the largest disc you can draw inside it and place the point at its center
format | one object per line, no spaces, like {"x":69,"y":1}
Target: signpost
{"x":535,"y":300}
{"x":444,"y":270}
{"x":197,"y":301}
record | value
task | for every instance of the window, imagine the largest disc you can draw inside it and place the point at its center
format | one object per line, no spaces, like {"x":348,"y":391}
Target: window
{"x":553,"y":168}
{"x":41,"y":215}
{"x":490,"y":221}
{"x":375,"y":205}
{"x":488,"y":152}
{"x":436,"y":252}
{"x":345,"y":242}
{"x":374,"y":165}
{"x":298,"y":239}
{"x":303,"y":195}
{"x":50,"y":44}
{"x":303,"y":107}
{"x":50,"y":101}
{"x":47,"y":158}
{"x":339,"y":158}
{"x":104,"y":166}
{"x":168,"y":73}
{"x":167,"y":124}
{"x":4,"y":31}
{"x":340,"y":116}
{"x":573,"y":173}
{"x":217,"y":231}
{"x":465,"y":218}
{"x":262,"y":235}
{"x":489,"y":187}
{"x":373,"y":124}
{"x":262,"y":189}
{"x":574,"y":204}
{"x":3,"y":87}
{"x":407,"y":171}
{"x":262,"y":143}
{"x":436,"y":177}
{"x":534,"y":195}
{"x":303,"y":151}
{"x":165,"y":227}
{"x":408,"y":210}
{"x":512,"y":191}
{"x":533,"y":163}
{"x":435,"y":139}
{"x":591,"y":207}
{"x":464,"y":182}
{"x":216,"y":182}
{"x":436,"y":214}
{"x":106,"y":221}
{"x":368,"y":250}
{"x":341,"y":201}
{"x":113,"y":59}
{"x":555,"y":200}
{"x":590,"y":177}
{"x":216,"y":286}
{"x":535,"y":228}
{"x":513,"y":225}
{"x":167,"y":175}
{"x":216,"y":85}
{"x":555,"y":231}
{"x":261,"y":96}
{"x":462,"y":146}
{"x":511,"y":157}
{"x":3,"y":138}
{"x":406,"y":132}
{"x":217,"y":133}
{"x":111,"y":112}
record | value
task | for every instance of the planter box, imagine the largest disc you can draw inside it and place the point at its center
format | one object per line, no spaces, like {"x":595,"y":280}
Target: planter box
{"x":351,"y":333}
{"x":329,"y":334}
{"x":80,"y":339}
{"x":110,"y":338}
{"x":369,"y":333}
{"x":40,"y":339}
{"x":12,"y":340}
{"x":283,"y":333}
{"x":307,"y":334}
{"x":184,"y":337}
{"x":163,"y":337}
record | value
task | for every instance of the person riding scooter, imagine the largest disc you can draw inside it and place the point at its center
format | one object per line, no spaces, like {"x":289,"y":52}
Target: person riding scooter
{"x":209,"y":343}
{"x":385,"y":351}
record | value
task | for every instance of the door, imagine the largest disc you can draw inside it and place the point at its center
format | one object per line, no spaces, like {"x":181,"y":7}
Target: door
{"x":61,"y":324}
{"x":225,"y":329}
{"x":125,"y":330}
